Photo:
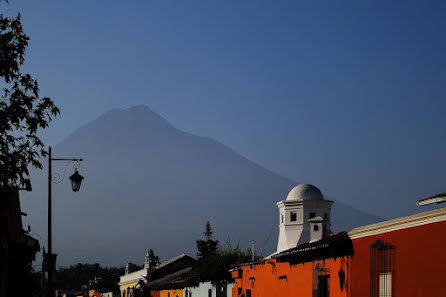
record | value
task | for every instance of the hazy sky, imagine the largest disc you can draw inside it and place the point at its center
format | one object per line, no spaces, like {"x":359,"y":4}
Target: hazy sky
{"x":346,"y":95}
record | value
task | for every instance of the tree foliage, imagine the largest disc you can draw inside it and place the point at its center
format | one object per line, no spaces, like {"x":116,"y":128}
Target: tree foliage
{"x":22,"y":111}
{"x":75,"y":276}
{"x":215,"y":261}
{"x":207,"y":247}
{"x":216,"y":267}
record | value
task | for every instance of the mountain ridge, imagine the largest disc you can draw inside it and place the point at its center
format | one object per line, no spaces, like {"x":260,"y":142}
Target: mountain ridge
{"x":149,"y":184}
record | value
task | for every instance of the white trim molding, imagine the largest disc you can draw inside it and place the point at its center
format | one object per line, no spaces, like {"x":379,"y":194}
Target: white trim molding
{"x":415,"y":220}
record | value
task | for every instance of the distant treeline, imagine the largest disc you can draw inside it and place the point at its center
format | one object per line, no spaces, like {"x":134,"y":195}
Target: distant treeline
{"x":76,"y":276}
{"x":214,"y":262}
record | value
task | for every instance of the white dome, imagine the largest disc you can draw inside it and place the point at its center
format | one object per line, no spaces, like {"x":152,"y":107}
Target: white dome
{"x":305,"y":192}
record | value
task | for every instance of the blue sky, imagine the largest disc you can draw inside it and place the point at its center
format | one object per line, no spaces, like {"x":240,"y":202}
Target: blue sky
{"x":346,"y":95}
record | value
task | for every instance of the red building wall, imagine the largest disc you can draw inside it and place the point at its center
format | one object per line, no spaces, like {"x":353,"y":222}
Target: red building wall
{"x":420,"y":261}
{"x":272,"y":279}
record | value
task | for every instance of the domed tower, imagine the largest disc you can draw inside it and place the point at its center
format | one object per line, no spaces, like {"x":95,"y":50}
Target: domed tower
{"x":304,"y":217}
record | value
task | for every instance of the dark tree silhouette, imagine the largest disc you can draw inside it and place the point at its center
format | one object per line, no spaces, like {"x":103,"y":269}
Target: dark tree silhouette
{"x":207,"y":247}
{"x":22,"y":111}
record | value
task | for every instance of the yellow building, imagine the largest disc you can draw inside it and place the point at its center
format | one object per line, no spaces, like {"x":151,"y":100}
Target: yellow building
{"x":131,"y":280}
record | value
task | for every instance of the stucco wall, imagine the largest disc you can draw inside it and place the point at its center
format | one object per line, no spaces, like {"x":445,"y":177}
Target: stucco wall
{"x":272,"y":279}
{"x":420,"y":261}
{"x":202,"y":290}
{"x":171,"y":293}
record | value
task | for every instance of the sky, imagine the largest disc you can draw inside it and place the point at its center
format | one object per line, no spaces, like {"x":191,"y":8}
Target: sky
{"x":346,"y":95}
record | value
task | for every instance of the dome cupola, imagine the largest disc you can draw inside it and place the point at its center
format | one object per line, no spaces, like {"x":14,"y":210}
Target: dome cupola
{"x":304,"y":192}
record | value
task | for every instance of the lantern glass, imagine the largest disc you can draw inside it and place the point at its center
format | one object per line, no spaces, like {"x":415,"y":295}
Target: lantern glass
{"x":76,"y":180}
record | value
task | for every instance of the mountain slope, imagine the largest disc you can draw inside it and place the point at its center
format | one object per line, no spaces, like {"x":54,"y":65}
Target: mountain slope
{"x":150,"y":185}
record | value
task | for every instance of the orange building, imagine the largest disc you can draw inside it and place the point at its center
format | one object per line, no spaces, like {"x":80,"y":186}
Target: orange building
{"x":313,"y":269}
{"x":400,"y":257}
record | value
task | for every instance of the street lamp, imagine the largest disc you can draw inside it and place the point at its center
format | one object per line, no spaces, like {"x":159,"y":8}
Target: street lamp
{"x":76,"y":180}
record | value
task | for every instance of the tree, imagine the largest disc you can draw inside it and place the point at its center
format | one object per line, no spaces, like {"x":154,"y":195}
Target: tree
{"x":22,"y":111}
{"x":207,"y":247}
{"x":216,"y":267}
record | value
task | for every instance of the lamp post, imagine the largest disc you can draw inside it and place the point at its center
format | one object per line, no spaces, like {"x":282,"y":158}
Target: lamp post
{"x":76,"y":180}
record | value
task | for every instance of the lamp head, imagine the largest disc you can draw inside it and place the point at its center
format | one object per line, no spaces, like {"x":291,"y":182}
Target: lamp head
{"x":76,"y":180}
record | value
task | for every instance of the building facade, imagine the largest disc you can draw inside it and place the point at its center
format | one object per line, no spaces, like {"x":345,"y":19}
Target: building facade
{"x":17,"y":248}
{"x":208,"y":289}
{"x":400,"y":257}
{"x":131,"y":280}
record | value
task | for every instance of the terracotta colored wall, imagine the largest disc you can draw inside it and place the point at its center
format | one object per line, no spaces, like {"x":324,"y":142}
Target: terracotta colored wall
{"x":297,"y":283}
{"x":171,"y":293}
{"x":420,"y":261}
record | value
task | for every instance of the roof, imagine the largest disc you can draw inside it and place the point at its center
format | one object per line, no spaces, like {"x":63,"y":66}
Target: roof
{"x":440,"y":198}
{"x":304,"y":192}
{"x":177,"y":280}
{"x":172,"y":265}
{"x":423,"y":218}
{"x":334,"y":246}
{"x":167,"y":262}
{"x":134,"y":276}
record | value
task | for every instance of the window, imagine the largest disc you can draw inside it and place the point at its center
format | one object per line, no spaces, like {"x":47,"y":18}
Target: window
{"x":321,"y":281}
{"x":382,"y":268}
{"x":282,"y":219}
{"x":239,"y":291}
{"x":315,"y":228}
{"x":248,"y":293}
{"x":209,"y":292}
{"x":293,"y":216}
{"x":385,"y":284}
{"x":325,"y":216}
{"x":312,"y":215}
{"x":324,"y":228}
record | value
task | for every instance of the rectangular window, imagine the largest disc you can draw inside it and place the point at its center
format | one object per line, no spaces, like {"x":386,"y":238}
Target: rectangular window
{"x":382,"y":267}
{"x":312,"y":215}
{"x":210,"y":293}
{"x":248,"y":293}
{"x":315,"y":228}
{"x":293,"y":216}
{"x":385,"y":284}
{"x":239,"y":291}
{"x":321,"y":281}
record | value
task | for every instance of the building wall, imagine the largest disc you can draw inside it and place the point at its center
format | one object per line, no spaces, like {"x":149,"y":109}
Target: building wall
{"x":419,"y":261}
{"x":271,"y":279}
{"x":202,"y":290}
{"x":126,"y":289}
{"x":171,"y":293}
{"x":111,"y":294}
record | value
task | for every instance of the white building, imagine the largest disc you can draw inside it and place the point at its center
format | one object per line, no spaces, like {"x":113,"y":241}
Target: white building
{"x":303,"y":217}
{"x":207,"y":289}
